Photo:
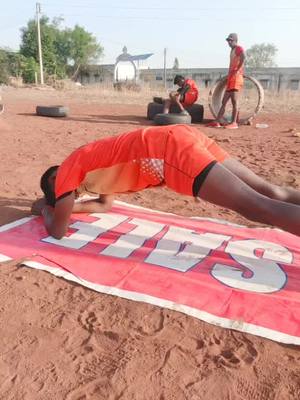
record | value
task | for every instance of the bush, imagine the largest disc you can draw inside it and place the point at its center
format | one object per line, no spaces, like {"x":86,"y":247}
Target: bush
{"x":4,"y":67}
{"x":29,"y":69}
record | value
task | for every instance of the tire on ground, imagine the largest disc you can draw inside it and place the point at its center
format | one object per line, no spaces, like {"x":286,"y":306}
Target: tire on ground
{"x":217,"y":92}
{"x":153,"y":109}
{"x":196,"y":111}
{"x":171,"y":119}
{"x":52,"y":111}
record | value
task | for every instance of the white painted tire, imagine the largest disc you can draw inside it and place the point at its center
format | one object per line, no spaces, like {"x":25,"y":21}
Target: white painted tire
{"x":217,"y":92}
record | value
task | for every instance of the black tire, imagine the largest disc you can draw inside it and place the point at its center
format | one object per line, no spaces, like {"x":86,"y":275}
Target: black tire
{"x":52,"y":111}
{"x":171,"y":119}
{"x":153,"y":109}
{"x":196,"y":111}
{"x":158,"y":100}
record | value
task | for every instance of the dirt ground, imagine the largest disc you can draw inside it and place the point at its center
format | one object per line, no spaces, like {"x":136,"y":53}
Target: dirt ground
{"x":63,"y":341}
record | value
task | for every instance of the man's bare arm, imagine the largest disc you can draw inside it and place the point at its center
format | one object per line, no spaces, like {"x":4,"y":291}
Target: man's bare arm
{"x":102,"y":204}
{"x":57,"y":219}
{"x":242,"y":61}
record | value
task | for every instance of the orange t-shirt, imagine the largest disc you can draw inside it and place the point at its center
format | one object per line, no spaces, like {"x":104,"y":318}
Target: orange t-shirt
{"x":128,"y":162}
{"x":191,"y":95}
{"x":173,"y":155}
{"x":235,"y":78}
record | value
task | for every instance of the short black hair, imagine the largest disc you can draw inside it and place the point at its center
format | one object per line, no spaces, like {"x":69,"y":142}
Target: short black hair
{"x":45,"y":186}
{"x":177,"y":79}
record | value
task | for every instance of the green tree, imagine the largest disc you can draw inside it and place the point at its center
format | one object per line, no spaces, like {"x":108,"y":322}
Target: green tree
{"x":52,"y":63}
{"x":4,"y":66}
{"x":261,"y":56}
{"x":16,"y":63}
{"x":30,"y":69}
{"x":176,"y":63}
{"x":62,"y":48}
{"x":83,"y":48}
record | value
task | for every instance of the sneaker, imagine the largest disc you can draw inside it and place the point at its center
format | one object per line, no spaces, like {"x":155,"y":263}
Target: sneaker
{"x":214,"y":124}
{"x":233,"y":125}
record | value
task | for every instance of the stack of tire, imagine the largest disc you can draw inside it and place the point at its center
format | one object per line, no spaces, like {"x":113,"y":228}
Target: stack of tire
{"x":154,"y":112}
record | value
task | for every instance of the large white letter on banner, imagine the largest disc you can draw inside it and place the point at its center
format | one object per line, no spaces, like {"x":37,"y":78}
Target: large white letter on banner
{"x":266,"y":275}
{"x":181,"y":249}
{"x":87,"y":232}
{"x":133,"y":240}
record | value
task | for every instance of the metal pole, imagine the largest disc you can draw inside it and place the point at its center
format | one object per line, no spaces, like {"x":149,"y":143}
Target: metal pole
{"x":165,"y":69}
{"x":38,"y":11}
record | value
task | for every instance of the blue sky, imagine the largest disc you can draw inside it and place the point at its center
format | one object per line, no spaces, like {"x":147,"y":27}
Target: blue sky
{"x":193,"y":31}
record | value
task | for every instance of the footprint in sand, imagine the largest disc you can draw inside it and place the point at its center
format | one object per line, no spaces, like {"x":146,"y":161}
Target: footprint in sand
{"x":243,"y":354}
{"x":249,"y":391}
{"x":96,"y":389}
{"x":230,"y":356}
{"x":152,"y":324}
{"x":44,"y":376}
{"x":87,"y":320}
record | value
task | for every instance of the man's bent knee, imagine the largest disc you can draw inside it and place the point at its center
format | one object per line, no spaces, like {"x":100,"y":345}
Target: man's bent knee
{"x":276,"y":192}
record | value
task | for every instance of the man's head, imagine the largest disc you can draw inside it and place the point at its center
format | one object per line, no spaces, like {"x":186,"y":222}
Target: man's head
{"x":179,"y":80}
{"x":47,"y":184}
{"x":232,"y":39}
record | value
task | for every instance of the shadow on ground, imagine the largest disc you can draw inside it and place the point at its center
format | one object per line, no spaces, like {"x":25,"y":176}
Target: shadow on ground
{"x":12,"y":209}
{"x":99,"y":119}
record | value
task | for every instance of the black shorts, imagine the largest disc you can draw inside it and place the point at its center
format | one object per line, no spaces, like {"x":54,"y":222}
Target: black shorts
{"x":199,"y":180}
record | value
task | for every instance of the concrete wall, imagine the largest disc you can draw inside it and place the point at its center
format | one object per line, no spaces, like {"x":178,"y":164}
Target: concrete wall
{"x":271,"y":78}
{"x":96,"y":74}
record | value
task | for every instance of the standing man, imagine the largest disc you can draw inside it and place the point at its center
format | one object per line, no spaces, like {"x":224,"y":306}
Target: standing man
{"x":186,"y":95}
{"x":235,"y":82}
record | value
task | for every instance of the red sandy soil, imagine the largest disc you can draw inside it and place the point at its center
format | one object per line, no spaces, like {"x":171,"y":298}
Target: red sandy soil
{"x":63,"y":341}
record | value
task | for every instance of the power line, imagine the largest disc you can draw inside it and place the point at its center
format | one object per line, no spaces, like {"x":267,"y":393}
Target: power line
{"x":183,"y":18}
{"x":175,"y":9}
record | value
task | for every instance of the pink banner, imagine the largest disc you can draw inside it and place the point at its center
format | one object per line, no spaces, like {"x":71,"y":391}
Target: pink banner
{"x":225,"y":274}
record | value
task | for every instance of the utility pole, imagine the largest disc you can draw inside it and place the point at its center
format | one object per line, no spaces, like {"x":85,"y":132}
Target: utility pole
{"x":165,"y":68}
{"x":38,"y":11}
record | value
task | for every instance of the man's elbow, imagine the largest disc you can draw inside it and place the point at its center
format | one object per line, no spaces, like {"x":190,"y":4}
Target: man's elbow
{"x":57,"y":236}
{"x":57,"y":233}
{"x":107,"y":207}
{"x":108,"y":204}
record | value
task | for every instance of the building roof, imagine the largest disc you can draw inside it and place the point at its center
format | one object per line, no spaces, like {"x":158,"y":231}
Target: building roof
{"x":141,"y":57}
